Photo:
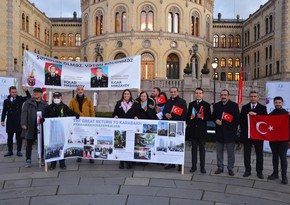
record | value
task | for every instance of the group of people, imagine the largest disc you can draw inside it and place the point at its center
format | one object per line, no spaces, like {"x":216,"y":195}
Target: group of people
{"x":225,"y":115}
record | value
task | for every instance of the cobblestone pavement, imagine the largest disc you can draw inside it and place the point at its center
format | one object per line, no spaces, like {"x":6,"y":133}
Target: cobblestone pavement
{"x":102,"y":183}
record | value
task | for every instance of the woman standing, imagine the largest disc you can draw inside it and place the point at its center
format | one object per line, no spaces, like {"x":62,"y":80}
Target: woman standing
{"x":126,"y":107}
{"x":147,"y":107}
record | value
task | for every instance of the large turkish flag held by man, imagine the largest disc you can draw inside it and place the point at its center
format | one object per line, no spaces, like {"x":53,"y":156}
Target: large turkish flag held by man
{"x":268,"y":127}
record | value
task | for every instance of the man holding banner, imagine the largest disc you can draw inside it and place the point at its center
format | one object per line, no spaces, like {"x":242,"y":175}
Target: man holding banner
{"x":226,"y":116}
{"x":175,"y":109}
{"x":252,"y":108}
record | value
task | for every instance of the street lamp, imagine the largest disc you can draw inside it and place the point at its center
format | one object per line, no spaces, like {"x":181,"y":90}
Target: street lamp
{"x":99,"y":50}
{"x":214,"y":66}
{"x":193,"y":51}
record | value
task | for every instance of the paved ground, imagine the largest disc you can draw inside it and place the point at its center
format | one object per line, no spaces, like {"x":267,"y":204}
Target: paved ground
{"x":103,"y":183}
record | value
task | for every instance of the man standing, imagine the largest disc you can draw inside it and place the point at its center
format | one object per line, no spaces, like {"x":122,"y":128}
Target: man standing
{"x":175,"y":109}
{"x":226,"y":116}
{"x":100,"y":79}
{"x":252,"y":108}
{"x":12,"y":109}
{"x":58,"y":109}
{"x":29,"y":121}
{"x":160,"y":99}
{"x":83,"y":106}
{"x":198,"y":114}
{"x":279,"y":148}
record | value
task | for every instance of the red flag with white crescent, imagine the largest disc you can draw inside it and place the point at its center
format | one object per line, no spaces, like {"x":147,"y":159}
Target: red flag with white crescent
{"x":268,"y":127}
{"x":44,"y":94}
{"x":177,"y":110}
{"x":161,"y":99}
{"x":227,"y":117}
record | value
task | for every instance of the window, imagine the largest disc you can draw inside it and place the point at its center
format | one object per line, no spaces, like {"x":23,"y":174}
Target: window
{"x":258,"y":31}
{"x":35,"y":29}
{"x":70,"y":39}
{"x":270,"y":69}
{"x":147,"y":66}
{"x":278,"y":66}
{"x":120,"y":19}
{"x":267,"y":25}
{"x":230,"y":62}
{"x":216,"y":41}
{"x":172,"y":67}
{"x":255,"y":33}
{"x":271,"y":23}
{"x":99,"y":23}
{"x":23,"y":22}
{"x":237,"y":76}
{"x":55,"y":39}
{"x":223,"y":63}
{"x":237,"y":63}
{"x":86,"y":26}
{"x":119,"y":56}
{"x":147,"y":18}
{"x":27,"y":24}
{"x":266,"y":70}
{"x":230,"y":76}
{"x":270,"y":52}
{"x":223,"y":41}
{"x":173,"y":20}
{"x":78,"y":39}
{"x":223,"y":76}
{"x":195,"y":24}
{"x":207,"y":29}
{"x":230,"y":41}
{"x":70,"y":58}
{"x":38,"y":31}
{"x":266,"y":53}
{"x":63,"y":39}
{"x":62,"y":58}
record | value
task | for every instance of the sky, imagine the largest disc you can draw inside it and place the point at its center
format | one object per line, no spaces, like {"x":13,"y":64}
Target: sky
{"x":228,"y":8}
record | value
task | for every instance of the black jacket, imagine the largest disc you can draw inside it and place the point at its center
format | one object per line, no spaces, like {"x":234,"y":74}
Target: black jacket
{"x":61,"y":110}
{"x":197,"y":126}
{"x":181,"y":103}
{"x":259,"y":109}
{"x":150,"y":113}
{"x":95,"y":82}
{"x":13,"y":112}
{"x":227,"y":132}
{"x":133,"y":112}
{"x":52,"y":80}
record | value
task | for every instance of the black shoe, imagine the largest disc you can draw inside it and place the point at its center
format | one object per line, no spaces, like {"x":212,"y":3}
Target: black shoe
{"x":79,"y":159}
{"x":193,"y":169}
{"x":92,"y":161}
{"x":121,"y":165}
{"x":19,"y":154}
{"x":273,"y":176}
{"x":169,"y":166}
{"x":260,"y":176}
{"x":218,"y":171}
{"x":284,"y":180}
{"x":202,"y":170}
{"x":62,"y":166}
{"x":8,"y":154}
{"x":231,"y":173}
{"x":179,"y":168}
{"x":52,"y":166}
{"x":247,"y":174}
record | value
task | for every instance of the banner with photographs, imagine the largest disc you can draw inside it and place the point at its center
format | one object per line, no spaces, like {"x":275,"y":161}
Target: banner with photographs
{"x":114,"y":139}
{"x":42,"y":71}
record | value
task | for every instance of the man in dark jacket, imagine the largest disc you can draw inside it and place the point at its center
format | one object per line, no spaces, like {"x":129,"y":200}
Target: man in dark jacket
{"x":252,"y":108}
{"x":58,"y":109}
{"x":279,"y":148}
{"x":226,"y":116}
{"x":12,"y":109}
{"x":175,"y":109}
{"x":28,"y":122}
{"x":198,"y":114}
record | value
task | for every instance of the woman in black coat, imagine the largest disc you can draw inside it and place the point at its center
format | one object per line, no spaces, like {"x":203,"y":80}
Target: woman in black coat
{"x":147,"y":107}
{"x":126,"y":107}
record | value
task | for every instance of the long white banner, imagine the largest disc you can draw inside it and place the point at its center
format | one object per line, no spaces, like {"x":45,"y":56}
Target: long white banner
{"x":114,"y":139}
{"x":274,"y":89}
{"x":42,"y":71}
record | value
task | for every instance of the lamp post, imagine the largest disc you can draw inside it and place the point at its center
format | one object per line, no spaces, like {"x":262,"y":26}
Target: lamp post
{"x":193,"y":51}
{"x":99,"y":50}
{"x":214,"y":66}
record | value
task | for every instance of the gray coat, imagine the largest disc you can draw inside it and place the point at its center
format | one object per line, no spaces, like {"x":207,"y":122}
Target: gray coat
{"x":29,"y":116}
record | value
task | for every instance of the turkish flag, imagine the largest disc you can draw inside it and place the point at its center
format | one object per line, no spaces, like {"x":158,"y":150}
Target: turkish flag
{"x":268,"y":127}
{"x":227,"y":117}
{"x":44,"y":94}
{"x":161,"y":99}
{"x":177,"y":110}
{"x":201,"y":112}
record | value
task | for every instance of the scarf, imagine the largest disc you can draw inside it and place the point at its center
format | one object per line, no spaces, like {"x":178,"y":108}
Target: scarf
{"x":144,"y":105}
{"x":126,"y":106}
{"x":80,"y":101}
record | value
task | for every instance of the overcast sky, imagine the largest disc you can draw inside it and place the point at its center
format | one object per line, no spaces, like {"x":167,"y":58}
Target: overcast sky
{"x":228,"y":8}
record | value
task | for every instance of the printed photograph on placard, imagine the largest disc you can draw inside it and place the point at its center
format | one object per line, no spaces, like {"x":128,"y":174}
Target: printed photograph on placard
{"x":142,"y":153}
{"x":161,"y":145}
{"x":174,"y":146}
{"x":53,"y":151}
{"x":172,"y":130}
{"x":88,"y":152}
{"x":73,"y":152}
{"x":149,"y":128}
{"x":119,"y":139}
{"x":104,"y":147}
{"x":162,"y":128}
{"x":88,"y":140}
{"x":144,"y":140}
{"x":180,"y":128}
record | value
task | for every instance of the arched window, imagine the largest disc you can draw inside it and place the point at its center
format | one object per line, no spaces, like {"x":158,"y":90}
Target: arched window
{"x":238,"y":41}
{"x":55,"y":39}
{"x":173,"y":20}
{"x":270,"y":52}
{"x":70,"y":39}
{"x":62,"y":58}
{"x":27,"y":24}
{"x":86,"y":26}
{"x":195,"y":24}
{"x":208,"y":29}
{"x":230,"y":62}
{"x":271,"y":23}
{"x":172,"y":67}
{"x":230,"y":41}
{"x":147,"y":66}
{"x":85,"y":59}
{"x":216,"y":41}
{"x":120,"y":19}
{"x":99,"y":23}
{"x":23,"y":22}
{"x":119,"y":56}
{"x":78,"y":39}
{"x":267,"y":25}
{"x":223,"y":63}
{"x":237,"y":63}
{"x":38,"y":31}
{"x":63,"y":39}
{"x":147,"y":18}
{"x":223,"y":41}
{"x":35,"y":29}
